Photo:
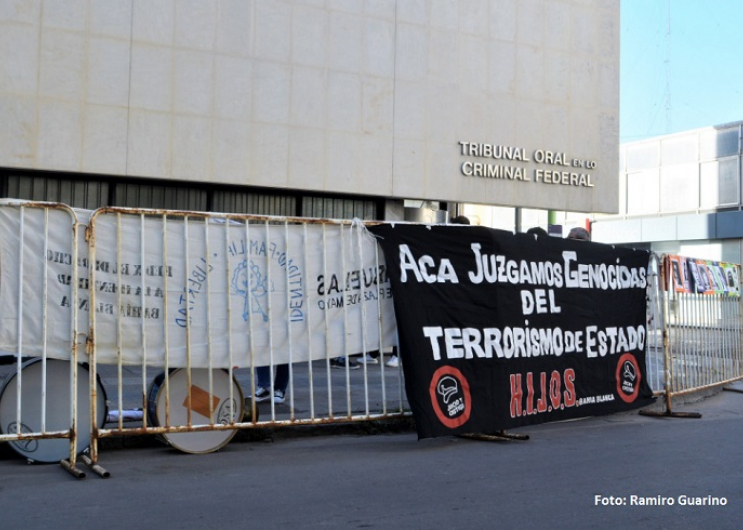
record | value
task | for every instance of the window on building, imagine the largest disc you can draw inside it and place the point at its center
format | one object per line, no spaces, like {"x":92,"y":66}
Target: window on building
{"x":87,"y":194}
{"x":718,"y":143}
{"x":643,"y":156}
{"x":137,"y":195}
{"x":643,"y":192}
{"x":679,"y":188}
{"x":90,"y":193}
{"x":338,"y":208}
{"x":680,"y":149}
{"x":719,"y":183}
{"x":254,"y":203}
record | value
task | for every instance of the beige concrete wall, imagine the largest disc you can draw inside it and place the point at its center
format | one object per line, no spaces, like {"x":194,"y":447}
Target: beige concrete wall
{"x":360,"y":96}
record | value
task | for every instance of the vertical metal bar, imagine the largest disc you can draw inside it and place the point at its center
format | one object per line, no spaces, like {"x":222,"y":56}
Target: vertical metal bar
{"x":73,"y":356}
{"x":189,"y":351}
{"x":682,"y":332}
{"x":667,"y":359}
{"x":19,"y":326}
{"x":721,"y":310}
{"x":703,"y":346}
{"x":719,"y":333}
{"x":684,"y":299}
{"x":310,"y":353}
{"x":693,"y":352}
{"x":226,"y":251}
{"x":708,"y":341}
{"x":251,"y":341}
{"x":357,"y":227}
{"x":209,"y":352}
{"x":729,"y":337}
{"x":119,"y":332}
{"x":724,"y":339}
{"x":187,"y":257}
{"x":287,"y":247}
{"x":692,"y":345}
{"x":166,"y":335}
{"x":344,"y":275}
{"x":738,"y":328}
{"x":669,"y":325}
{"x":687,"y":339}
{"x":91,"y":342}
{"x":690,"y":338}
{"x":142,"y":304}
{"x":733,"y":336}
{"x":697,"y":354}
{"x":715,"y":350}
{"x":714,"y":343}
{"x":725,"y":336}
{"x":664,"y":319}
{"x":327,"y":321}
{"x":44,"y":315}
{"x":739,"y":324}
{"x":733,"y":331}
{"x":691,"y":369}
{"x":270,"y":320}
{"x":661,"y":318}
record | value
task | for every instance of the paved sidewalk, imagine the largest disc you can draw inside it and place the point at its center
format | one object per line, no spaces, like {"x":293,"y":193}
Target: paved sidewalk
{"x":590,"y":473}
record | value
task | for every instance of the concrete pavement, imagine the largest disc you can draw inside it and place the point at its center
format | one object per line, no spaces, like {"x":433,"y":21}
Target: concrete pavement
{"x":591,"y":473}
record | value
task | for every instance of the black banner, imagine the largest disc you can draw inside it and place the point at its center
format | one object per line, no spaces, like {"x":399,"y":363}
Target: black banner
{"x":500,"y":330}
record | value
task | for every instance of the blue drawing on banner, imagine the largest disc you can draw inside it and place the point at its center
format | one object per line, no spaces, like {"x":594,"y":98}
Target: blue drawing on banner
{"x":253,"y":286}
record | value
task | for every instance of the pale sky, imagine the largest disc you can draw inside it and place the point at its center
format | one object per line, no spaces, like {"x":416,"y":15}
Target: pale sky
{"x":680,"y":72}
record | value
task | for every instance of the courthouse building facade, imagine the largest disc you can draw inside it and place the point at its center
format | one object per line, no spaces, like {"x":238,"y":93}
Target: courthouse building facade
{"x":321,"y":108}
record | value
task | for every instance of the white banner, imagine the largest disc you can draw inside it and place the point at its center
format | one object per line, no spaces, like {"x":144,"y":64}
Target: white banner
{"x":210,"y":288}
{"x":36,"y":245}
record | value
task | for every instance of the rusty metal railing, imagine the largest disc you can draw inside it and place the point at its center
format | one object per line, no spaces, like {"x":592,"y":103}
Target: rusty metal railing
{"x":190,"y":306}
{"x":701,"y":335}
{"x":39,"y":405}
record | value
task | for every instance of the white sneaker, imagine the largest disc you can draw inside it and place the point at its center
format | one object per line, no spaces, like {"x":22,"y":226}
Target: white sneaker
{"x":261,"y":394}
{"x":393,"y":362}
{"x":368,"y":359}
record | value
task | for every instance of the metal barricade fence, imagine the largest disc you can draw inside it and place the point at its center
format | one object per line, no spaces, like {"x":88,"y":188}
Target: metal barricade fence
{"x":189,"y":306}
{"x":702,"y":337}
{"x":43,"y":399}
